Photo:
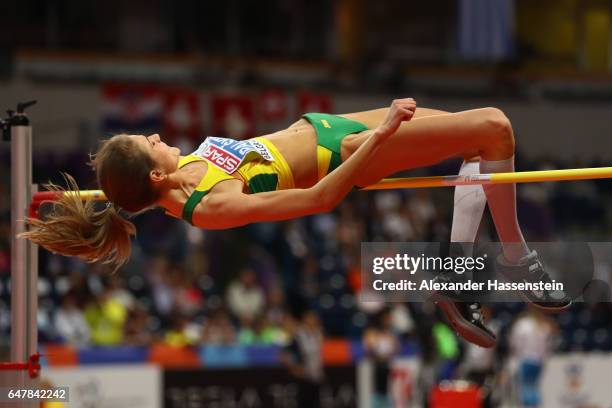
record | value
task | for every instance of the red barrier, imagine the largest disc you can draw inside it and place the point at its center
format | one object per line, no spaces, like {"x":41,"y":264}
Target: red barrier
{"x":60,"y":355}
{"x":171,"y":356}
{"x":456,"y":396}
{"x":336,"y":352}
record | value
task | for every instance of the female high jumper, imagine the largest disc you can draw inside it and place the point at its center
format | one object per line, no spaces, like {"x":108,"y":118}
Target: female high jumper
{"x":305,"y":169}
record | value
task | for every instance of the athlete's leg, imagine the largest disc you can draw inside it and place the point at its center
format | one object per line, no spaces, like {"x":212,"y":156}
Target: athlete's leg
{"x":374,"y":117}
{"x":469,"y":205}
{"x":469,"y":202}
{"x":502,"y":202}
{"x":429,"y":140}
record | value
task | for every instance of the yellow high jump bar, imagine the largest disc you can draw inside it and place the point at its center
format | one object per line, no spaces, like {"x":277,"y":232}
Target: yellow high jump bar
{"x":449,"y":181}
{"x":494,"y":178}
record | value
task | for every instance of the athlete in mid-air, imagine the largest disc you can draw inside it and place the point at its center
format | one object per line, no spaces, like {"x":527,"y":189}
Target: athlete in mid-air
{"x":305,"y":169}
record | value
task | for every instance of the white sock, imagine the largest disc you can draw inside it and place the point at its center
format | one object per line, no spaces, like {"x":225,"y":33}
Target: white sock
{"x":470,"y":202}
{"x":502,"y":203}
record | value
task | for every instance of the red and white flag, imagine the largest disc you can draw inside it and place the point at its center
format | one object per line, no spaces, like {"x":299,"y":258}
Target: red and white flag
{"x":182,"y":116}
{"x":272,"y":105}
{"x":233,"y":116}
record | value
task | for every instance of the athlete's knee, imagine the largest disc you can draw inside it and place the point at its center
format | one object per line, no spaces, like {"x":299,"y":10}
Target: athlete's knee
{"x":499,"y":129}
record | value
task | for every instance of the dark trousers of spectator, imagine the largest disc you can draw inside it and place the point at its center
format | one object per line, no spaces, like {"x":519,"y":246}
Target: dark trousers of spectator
{"x":309,"y":394}
{"x":381,"y":377}
{"x":381,"y":384}
{"x":482,"y":379}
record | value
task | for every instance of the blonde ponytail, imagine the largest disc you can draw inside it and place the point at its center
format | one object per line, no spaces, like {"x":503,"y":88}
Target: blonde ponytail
{"x":76,"y":228}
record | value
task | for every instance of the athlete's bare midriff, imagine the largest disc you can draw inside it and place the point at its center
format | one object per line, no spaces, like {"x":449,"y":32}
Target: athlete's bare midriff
{"x":298,"y":145}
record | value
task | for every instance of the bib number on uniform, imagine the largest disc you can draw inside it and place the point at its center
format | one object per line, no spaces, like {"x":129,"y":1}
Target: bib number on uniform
{"x":228,"y":154}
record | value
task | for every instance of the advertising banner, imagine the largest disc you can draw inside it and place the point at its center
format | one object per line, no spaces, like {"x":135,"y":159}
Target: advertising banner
{"x":255,"y":388}
{"x":116,"y":386}
{"x":577,"y":380}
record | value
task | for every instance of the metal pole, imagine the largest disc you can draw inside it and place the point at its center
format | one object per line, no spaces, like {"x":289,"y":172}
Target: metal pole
{"x":32,"y":294}
{"x":24,"y":258}
{"x":21,"y":181}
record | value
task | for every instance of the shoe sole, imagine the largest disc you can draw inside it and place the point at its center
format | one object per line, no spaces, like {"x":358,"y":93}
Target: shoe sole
{"x":545,"y":308}
{"x":463,"y":327}
{"x":539,"y":306}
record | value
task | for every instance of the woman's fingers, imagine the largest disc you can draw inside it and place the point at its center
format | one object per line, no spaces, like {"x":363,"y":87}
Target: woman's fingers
{"x":407,"y":105}
{"x":401,"y":110}
{"x":407,"y":112}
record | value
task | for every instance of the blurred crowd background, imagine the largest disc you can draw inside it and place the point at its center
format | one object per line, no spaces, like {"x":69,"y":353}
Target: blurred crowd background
{"x":263,"y":283}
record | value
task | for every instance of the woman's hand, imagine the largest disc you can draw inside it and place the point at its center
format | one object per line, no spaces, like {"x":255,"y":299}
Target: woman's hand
{"x":401,"y":110}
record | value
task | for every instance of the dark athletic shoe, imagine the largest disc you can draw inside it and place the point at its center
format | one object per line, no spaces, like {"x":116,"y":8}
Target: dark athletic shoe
{"x":530,"y":269}
{"x":465,"y":316}
{"x":467,"y":320}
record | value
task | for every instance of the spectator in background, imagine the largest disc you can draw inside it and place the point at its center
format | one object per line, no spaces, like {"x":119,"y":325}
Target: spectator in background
{"x":248,"y":332}
{"x":245,"y":298}
{"x":77,"y":283}
{"x":70,"y":322}
{"x":308,"y":280}
{"x":188,"y":298}
{"x":302,"y":357}
{"x":478,"y":364}
{"x":395,"y":219}
{"x":173,"y":290}
{"x":183,"y":332}
{"x":106,"y":317}
{"x":447,"y":348}
{"x":350,"y":229}
{"x":402,"y":320}
{"x":260,"y":331}
{"x":381,"y":345}
{"x":137,"y":328}
{"x":531,"y":341}
{"x":160,"y":278}
{"x":218,"y":329}
{"x":118,"y":291}
{"x":276,"y":311}
{"x":439,"y":351}
{"x":275,"y":315}
{"x":421,"y":211}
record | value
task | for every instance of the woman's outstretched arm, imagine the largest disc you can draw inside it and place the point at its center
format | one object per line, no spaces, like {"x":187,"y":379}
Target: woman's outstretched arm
{"x":227,"y":210}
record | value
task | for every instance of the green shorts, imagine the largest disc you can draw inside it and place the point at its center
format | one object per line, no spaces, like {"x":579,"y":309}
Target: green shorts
{"x":331,"y":129}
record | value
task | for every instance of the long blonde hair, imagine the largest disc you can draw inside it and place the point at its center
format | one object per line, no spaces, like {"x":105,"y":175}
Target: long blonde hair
{"x":77,"y":228}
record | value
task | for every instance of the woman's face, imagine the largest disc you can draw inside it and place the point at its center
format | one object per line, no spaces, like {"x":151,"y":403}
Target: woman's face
{"x":166,"y":157}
